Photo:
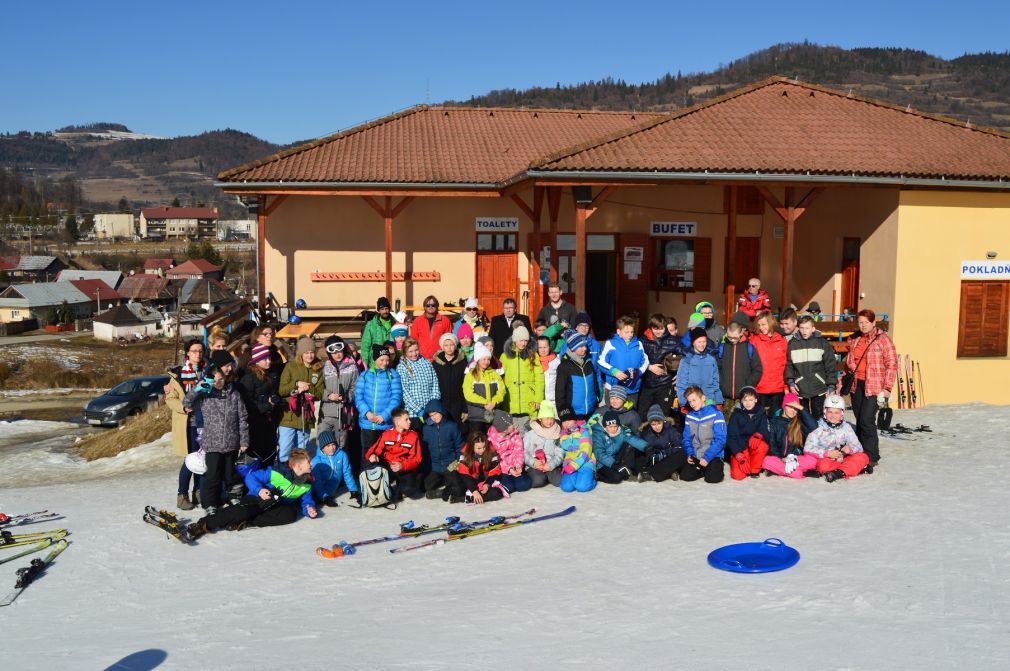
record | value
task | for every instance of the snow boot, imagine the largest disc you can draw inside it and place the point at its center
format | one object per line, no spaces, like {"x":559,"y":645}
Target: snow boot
{"x":812,"y":473}
{"x":197,"y":529}
{"x":831,"y":476}
{"x":645,"y":476}
{"x":330,"y":502}
{"x":195,"y":497}
{"x":867,"y":471}
{"x":182,"y":502}
{"x":434,"y":493}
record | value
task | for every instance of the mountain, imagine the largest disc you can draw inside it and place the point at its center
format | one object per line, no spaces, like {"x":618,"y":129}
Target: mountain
{"x":973,"y":87}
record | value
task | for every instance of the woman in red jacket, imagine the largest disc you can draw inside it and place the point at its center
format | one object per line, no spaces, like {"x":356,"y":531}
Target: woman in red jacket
{"x":771,"y":348}
{"x":427,"y":328}
{"x":874,"y":361}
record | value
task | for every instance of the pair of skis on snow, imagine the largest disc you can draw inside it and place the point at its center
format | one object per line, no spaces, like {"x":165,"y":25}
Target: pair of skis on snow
{"x":454,"y":528}
{"x":36,"y":542}
{"x":910,"y":387}
{"x":168,"y":522}
{"x":26,"y":518}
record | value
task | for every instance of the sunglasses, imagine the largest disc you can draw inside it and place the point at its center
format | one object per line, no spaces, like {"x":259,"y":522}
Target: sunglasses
{"x":335,"y":347}
{"x":431,"y":305}
{"x":471,"y":309}
{"x":753,"y":285}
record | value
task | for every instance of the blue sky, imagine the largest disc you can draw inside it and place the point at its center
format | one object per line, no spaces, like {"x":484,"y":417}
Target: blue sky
{"x":296,"y":70}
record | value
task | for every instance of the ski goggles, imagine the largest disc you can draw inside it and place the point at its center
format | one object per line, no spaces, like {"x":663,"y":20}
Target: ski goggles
{"x":335,"y":347}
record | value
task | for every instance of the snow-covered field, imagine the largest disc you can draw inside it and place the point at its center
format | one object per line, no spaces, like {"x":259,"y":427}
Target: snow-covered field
{"x":903,"y":569}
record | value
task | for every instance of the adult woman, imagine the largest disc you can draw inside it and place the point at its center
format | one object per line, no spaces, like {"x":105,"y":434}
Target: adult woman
{"x":483,"y":390}
{"x":524,"y":378}
{"x":263,"y":406}
{"x":181,"y":381}
{"x":450,"y":367}
{"x":301,"y":384}
{"x":340,"y":374}
{"x":472,"y":317}
{"x":377,"y":394}
{"x":771,"y":348}
{"x":266,"y":335}
{"x":873,"y":361}
{"x":419,"y":382}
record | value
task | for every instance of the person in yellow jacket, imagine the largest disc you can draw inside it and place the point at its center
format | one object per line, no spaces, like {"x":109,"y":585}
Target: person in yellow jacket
{"x":483,"y":389}
{"x":524,"y":377}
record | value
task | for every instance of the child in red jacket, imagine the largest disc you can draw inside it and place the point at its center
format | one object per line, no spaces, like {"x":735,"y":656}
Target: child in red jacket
{"x":480,"y":471}
{"x":399,"y":450}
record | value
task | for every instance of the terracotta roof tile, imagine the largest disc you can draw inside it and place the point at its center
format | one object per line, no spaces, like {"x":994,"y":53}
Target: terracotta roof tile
{"x":96,"y":289}
{"x":194,"y":266}
{"x":780,"y":126}
{"x":144,"y":288}
{"x":437,"y":145}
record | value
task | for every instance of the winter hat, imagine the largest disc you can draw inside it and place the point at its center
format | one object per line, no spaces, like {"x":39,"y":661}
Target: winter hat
{"x":501,"y":421}
{"x":791,"y":400}
{"x":547,"y":410}
{"x":611,"y":418}
{"x":834,"y":401}
{"x":697,"y":332}
{"x":520,"y":332}
{"x":486,"y":341}
{"x":304,"y":345}
{"x":740,"y":318}
{"x":220,"y":358}
{"x":447,"y":336}
{"x":696,"y":319}
{"x":325,"y":438}
{"x":814,"y":307}
{"x":655,"y":414}
{"x":379,"y":349}
{"x":703,"y":304}
{"x":464,"y":331}
{"x":575,"y":341}
{"x":400,"y":316}
{"x":480,"y":351}
{"x":582,"y":318}
{"x":259,"y":352}
{"x":399,"y":329}
{"x":749,"y":390}
{"x":620,"y":392}
{"x":381,"y":302}
{"x":332,"y":341}
{"x":471,"y":303}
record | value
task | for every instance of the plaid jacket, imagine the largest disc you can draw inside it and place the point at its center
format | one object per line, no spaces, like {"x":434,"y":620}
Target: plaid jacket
{"x":881,"y":362}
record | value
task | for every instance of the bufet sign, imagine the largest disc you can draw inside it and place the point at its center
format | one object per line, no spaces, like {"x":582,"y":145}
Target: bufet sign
{"x":985,"y":270}
{"x":673,"y":229}
{"x":497,"y":224}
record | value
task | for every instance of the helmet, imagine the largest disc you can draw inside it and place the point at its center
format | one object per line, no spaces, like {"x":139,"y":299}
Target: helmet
{"x":294,"y":319}
{"x":834,"y":401}
{"x":300,"y":304}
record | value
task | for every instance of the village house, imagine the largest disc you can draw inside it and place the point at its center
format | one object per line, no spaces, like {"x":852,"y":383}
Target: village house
{"x":160,"y":223}
{"x":158,"y":266}
{"x":114,"y":225}
{"x":34,"y":268}
{"x":113,"y":278}
{"x":38,"y":301}
{"x":127,"y":321}
{"x":195,"y":269}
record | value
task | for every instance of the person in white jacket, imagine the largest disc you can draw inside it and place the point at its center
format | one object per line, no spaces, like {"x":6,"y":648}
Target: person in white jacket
{"x":834,"y":443}
{"x":541,"y":447}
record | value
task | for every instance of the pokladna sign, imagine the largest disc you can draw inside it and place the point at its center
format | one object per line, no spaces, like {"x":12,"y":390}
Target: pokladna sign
{"x":985,"y":270}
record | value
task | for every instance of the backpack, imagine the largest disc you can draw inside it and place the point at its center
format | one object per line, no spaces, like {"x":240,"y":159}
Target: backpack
{"x":373,"y":483}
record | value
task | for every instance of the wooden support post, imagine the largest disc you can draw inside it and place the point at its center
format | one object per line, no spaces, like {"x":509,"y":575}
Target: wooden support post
{"x":261,"y":279}
{"x":553,"y":208}
{"x":581,"y":213}
{"x":787,"y":248}
{"x":388,"y":212}
{"x":731,"y":252}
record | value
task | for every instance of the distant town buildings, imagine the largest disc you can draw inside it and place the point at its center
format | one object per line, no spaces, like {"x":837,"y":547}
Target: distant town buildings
{"x":112,"y":225}
{"x":160,"y":223}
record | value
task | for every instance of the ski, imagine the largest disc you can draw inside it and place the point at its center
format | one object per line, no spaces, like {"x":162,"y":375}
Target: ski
{"x":466,"y":531}
{"x":901,"y":387}
{"x":9,"y":540}
{"x":913,"y":402}
{"x":918,"y":375}
{"x":162,"y":513}
{"x":27,"y":574}
{"x":42,"y":545}
{"x":26,"y":518}
{"x":408,"y":530}
{"x":173,"y":529}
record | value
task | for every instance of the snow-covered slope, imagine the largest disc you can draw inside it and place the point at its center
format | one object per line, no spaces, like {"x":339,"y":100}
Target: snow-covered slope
{"x":903,"y":569}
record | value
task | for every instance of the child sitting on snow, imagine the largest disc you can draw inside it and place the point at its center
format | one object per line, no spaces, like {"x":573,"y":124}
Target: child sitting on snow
{"x":618,"y":401}
{"x":615,"y":446}
{"x":664,"y":457}
{"x":747,"y":436}
{"x":578,"y":468}
{"x":704,"y":439}
{"x":277,"y":495}
{"x":789,"y":431}
{"x":508,"y":445}
{"x":330,"y":467}
{"x":443,"y":441}
{"x":541,"y":449}
{"x":479,"y":470}
{"x":834,"y":443}
{"x":399,"y":450}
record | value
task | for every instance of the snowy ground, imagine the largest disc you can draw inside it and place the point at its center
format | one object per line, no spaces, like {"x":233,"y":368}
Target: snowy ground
{"x":904,"y":569}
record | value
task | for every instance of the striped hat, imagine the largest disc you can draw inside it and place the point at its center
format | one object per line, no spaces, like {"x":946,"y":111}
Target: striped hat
{"x":259,"y":352}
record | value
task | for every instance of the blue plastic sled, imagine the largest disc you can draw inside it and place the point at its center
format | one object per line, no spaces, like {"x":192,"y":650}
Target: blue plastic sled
{"x":771,"y":555}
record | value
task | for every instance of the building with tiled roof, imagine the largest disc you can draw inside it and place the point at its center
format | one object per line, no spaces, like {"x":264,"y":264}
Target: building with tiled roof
{"x":36,"y":268}
{"x":195,"y":269}
{"x":19,"y":302}
{"x":824,"y":196}
{"x":109,"y":277}
{"x":98,"y":291}
{"x":146,"y":288}
{"x":158,"y":266}
{"x":178,"y":222}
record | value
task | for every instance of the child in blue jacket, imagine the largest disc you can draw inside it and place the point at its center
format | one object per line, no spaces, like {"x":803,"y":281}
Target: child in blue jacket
{"x":704,"y":439}
{"x":330,"y":468}
{"x":699,"y":369}
{"x":623,"y":359}
{"x":614,"y":446}
{"x":442,"y":442}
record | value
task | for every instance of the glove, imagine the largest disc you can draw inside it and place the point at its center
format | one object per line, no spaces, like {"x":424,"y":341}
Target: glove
{"x":684,"y":409}
{"x":791,"y":463}
{"x":541,"y":455}
{"x":881,"y":398}
{"x":356,"y":497}
{"x":568,"y":469}
{"x":718,"y":406}
{"x":741,"y":458}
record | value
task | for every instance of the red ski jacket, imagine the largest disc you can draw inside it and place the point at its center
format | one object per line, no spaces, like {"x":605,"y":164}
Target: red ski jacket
{"x":474,"y":475}
{"x":752,"y":307}
{"x":394,"y":447}
{"x":772,"y":350}
{"x":427,"y":333}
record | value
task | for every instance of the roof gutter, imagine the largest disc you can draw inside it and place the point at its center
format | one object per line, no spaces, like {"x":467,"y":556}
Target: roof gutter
{"x":616,"y":176}
{"x":345,"y":186}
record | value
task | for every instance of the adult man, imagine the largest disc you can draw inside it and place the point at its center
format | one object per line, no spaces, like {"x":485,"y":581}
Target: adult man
{"x":754,"y":299}
{"x":557,"y":310}
{"x":811,"y":371}
{"x":502,"y":325}
{"x":429,"y":327}
{"x":377,"y":330}
{"x":788,"y":324}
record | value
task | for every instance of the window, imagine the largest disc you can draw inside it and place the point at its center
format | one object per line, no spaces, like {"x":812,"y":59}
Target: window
{"x":496,"y":242}
{"x":682,"y":264}
{"x":982,"y":328}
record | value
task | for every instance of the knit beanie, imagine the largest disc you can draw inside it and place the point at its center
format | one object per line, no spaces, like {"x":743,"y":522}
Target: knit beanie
{"x":399,"y":329}
{"x":464,"y":331}
{"x":259,"y":352}
{"x":379,"y":349}
{"x":576,"y":340}
{"x":697,"y":332}
{"x":445,"y":337}
{"x":520,"y":332}
{"x":304,"y":345}
{"x":611,"y":418}
{"x":620,"y":392}
{"x":655,"y":414}
{"x":481,"y":352}
{"x":220,"y":358}
{"x":582,"y":318}
{"x":382,"y":302}
{"x":325,"y":438}
{"x":703,"y":304}
{"x":501,"y":421}
{"x":547,"y":410}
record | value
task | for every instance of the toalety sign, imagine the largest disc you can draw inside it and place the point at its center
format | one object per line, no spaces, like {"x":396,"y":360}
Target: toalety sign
{"x":985,"y":270}
{"x":497,"y":224}
{"x":674,"y":229}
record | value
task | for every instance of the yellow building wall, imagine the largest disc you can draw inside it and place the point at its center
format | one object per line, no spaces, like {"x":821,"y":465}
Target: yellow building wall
{"x":937,"y":230}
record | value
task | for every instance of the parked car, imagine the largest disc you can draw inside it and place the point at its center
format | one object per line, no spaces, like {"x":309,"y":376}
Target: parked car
{"x":124,"y":400}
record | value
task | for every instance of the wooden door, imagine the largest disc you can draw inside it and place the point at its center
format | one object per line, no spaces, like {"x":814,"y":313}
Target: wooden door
{"x":748,"y":262}
{"x":497,"y":270}
{"x":850,"y":273}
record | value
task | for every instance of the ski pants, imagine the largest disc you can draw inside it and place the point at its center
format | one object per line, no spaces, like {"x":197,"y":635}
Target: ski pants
{"x":750,"y":460}
{"x":582,"y":480}
{"x":661,"y":396}
{"x":252,"y":510}
{"x":772,"y":403}
{"x":852,"y":464}
{"x":220,"y":470}
{"x":449,"y":479}
{"x":865,"y":409}
{"x":517,"y":483}
{"x":185,"y":475}
{"x":815,"y":405}
{"x":777,"y":465}
{"x":712,"y":473}
{"x":540,"y":479}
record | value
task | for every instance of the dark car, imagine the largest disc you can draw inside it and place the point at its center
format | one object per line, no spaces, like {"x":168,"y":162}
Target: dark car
{"x":124,"y":400}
